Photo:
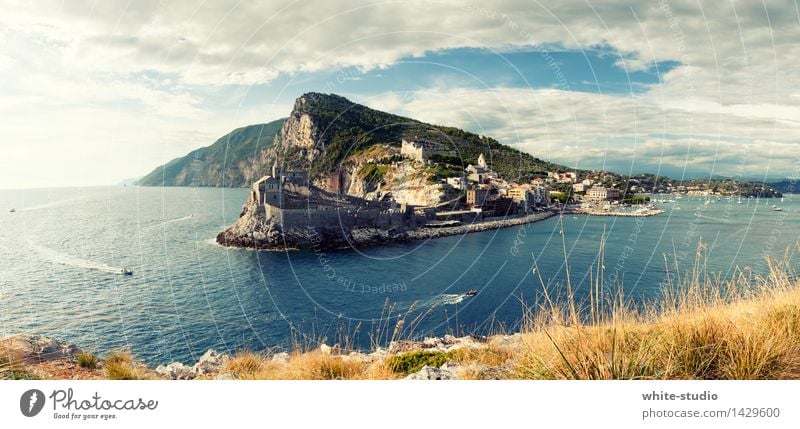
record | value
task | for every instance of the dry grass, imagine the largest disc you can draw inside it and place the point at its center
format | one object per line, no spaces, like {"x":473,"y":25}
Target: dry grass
{"x":12,"y":367}
{"x":121,"y":366}
{"x":311,"y":365}
{"x":744,"y":329}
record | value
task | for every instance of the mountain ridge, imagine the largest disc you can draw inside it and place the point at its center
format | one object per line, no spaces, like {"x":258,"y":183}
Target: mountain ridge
{"x":234,"y":160}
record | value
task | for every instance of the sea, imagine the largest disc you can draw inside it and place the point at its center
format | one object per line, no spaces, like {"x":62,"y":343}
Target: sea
{"x":62,"y":251}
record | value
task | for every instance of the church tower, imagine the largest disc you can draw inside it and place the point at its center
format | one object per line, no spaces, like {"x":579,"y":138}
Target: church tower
{"x":482,"y":161}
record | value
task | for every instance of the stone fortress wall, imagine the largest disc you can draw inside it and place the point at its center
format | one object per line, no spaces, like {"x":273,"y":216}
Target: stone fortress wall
{"x":287,"y":199}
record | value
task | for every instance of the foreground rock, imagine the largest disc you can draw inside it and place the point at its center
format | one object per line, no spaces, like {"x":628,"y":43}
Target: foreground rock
{"x":210,"y":364}
{"x":432,"y":373}
{"x":25,"y":356}
{"x":49,"y":358}
{"x":36,"y":349}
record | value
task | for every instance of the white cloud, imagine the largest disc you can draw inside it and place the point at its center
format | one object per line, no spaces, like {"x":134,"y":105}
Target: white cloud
{"x":595,"y":130}
{"x":65,"y":59}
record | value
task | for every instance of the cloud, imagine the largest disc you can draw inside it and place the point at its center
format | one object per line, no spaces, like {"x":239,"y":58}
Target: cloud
{"x":172,"y":62}
{"x":629,"y":134}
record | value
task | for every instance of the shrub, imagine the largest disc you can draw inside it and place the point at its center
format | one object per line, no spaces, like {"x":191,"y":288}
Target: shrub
{"x":409,"y":363}
{"x":120,"y":366}
{"x":86,"y":360}
{"x":245,"y":365}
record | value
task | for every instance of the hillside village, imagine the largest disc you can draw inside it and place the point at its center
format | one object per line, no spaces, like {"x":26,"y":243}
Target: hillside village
{"x":290,"y":197}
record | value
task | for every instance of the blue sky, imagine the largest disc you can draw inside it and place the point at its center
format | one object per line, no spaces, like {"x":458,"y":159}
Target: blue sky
{"x":95,"y":92}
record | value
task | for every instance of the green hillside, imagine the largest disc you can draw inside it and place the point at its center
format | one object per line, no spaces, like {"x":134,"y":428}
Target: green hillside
{"x":346,"y":127}
{"x":234,"y":160}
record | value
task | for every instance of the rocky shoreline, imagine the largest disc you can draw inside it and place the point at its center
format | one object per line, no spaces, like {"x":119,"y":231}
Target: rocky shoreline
{"x":43,"y":357}
{"x":325,"y":237}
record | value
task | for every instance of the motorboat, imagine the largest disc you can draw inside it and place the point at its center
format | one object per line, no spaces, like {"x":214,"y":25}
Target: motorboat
{"x":471,"y":292}
{"x":126,"y":272}
{"x":13,"y":211}
{"x":777,"y":209}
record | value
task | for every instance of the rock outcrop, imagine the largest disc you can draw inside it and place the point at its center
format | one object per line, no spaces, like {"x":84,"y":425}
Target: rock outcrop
{"x":49,"y":358}
{"x":210,"y":364}
{"x":432,"y":373}
{"x":35,"y":348}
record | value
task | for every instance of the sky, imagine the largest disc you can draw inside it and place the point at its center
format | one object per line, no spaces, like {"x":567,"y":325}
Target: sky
{"x":94,"y":92}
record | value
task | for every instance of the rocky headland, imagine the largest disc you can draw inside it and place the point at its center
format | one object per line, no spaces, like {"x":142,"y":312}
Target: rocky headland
{"x":342,"y":178}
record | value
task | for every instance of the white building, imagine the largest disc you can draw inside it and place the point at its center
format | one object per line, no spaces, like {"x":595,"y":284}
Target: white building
{"x":457,"y":182}
{"x":482,"y":162}
{"x":597,"y":194}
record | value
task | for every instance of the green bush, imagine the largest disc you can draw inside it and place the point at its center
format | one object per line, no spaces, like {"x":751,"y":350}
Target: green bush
{"x":86,"y":360}
{"x":409,"y":363}
{"x":373,"y":173}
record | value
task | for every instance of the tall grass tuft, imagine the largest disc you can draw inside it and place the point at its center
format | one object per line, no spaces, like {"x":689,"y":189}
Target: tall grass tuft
{"x":743,"y":328}
{"x":121,"y":366}
{"x":86,"y":360}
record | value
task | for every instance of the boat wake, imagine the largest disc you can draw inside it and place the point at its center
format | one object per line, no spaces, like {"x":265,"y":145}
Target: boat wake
{"x":700,"y":216}
{"x":57,"y":257}
{"x":177,"y":219}
{"x":48,"y":204}
{"x":445,"y":299}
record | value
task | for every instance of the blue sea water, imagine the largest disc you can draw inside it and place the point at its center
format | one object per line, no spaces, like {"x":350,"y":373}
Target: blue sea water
{"x":62,"y":250}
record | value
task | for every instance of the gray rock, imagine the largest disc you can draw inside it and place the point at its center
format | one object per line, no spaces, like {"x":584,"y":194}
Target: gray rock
{"x":432,"y":373}
{"x":329,"y":350}
{"x":212,"y":361}
{"x":176,"y":371}
{"x":358,"y":357}
{"x":35,"y":348}
{"x":281,"y":357}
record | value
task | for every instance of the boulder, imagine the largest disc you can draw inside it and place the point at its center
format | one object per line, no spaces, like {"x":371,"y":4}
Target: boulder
{"x":212,"y":361}
{"x":432,"y":373}
{"x":281,"y":358}
{"x":176,"y":371}
{"x":329,"y":350}
{"x":35,"y":348}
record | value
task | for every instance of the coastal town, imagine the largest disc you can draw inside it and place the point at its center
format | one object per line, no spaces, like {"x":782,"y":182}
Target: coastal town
{"x":338,"y":184}
{"x":290,"y":209}
{"x":600,"y":193}
{"x":486,"y":195}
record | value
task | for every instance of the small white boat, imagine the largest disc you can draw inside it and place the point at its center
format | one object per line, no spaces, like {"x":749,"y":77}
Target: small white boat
{"x":13,"y":211}
{"x":777,"y":209}
{"x":126,"y":272}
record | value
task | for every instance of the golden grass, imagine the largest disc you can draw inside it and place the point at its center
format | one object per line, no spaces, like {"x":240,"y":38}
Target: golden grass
{"x":744,"y":329}
{"x":121,"y":366}
{"x":310,"y":365}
